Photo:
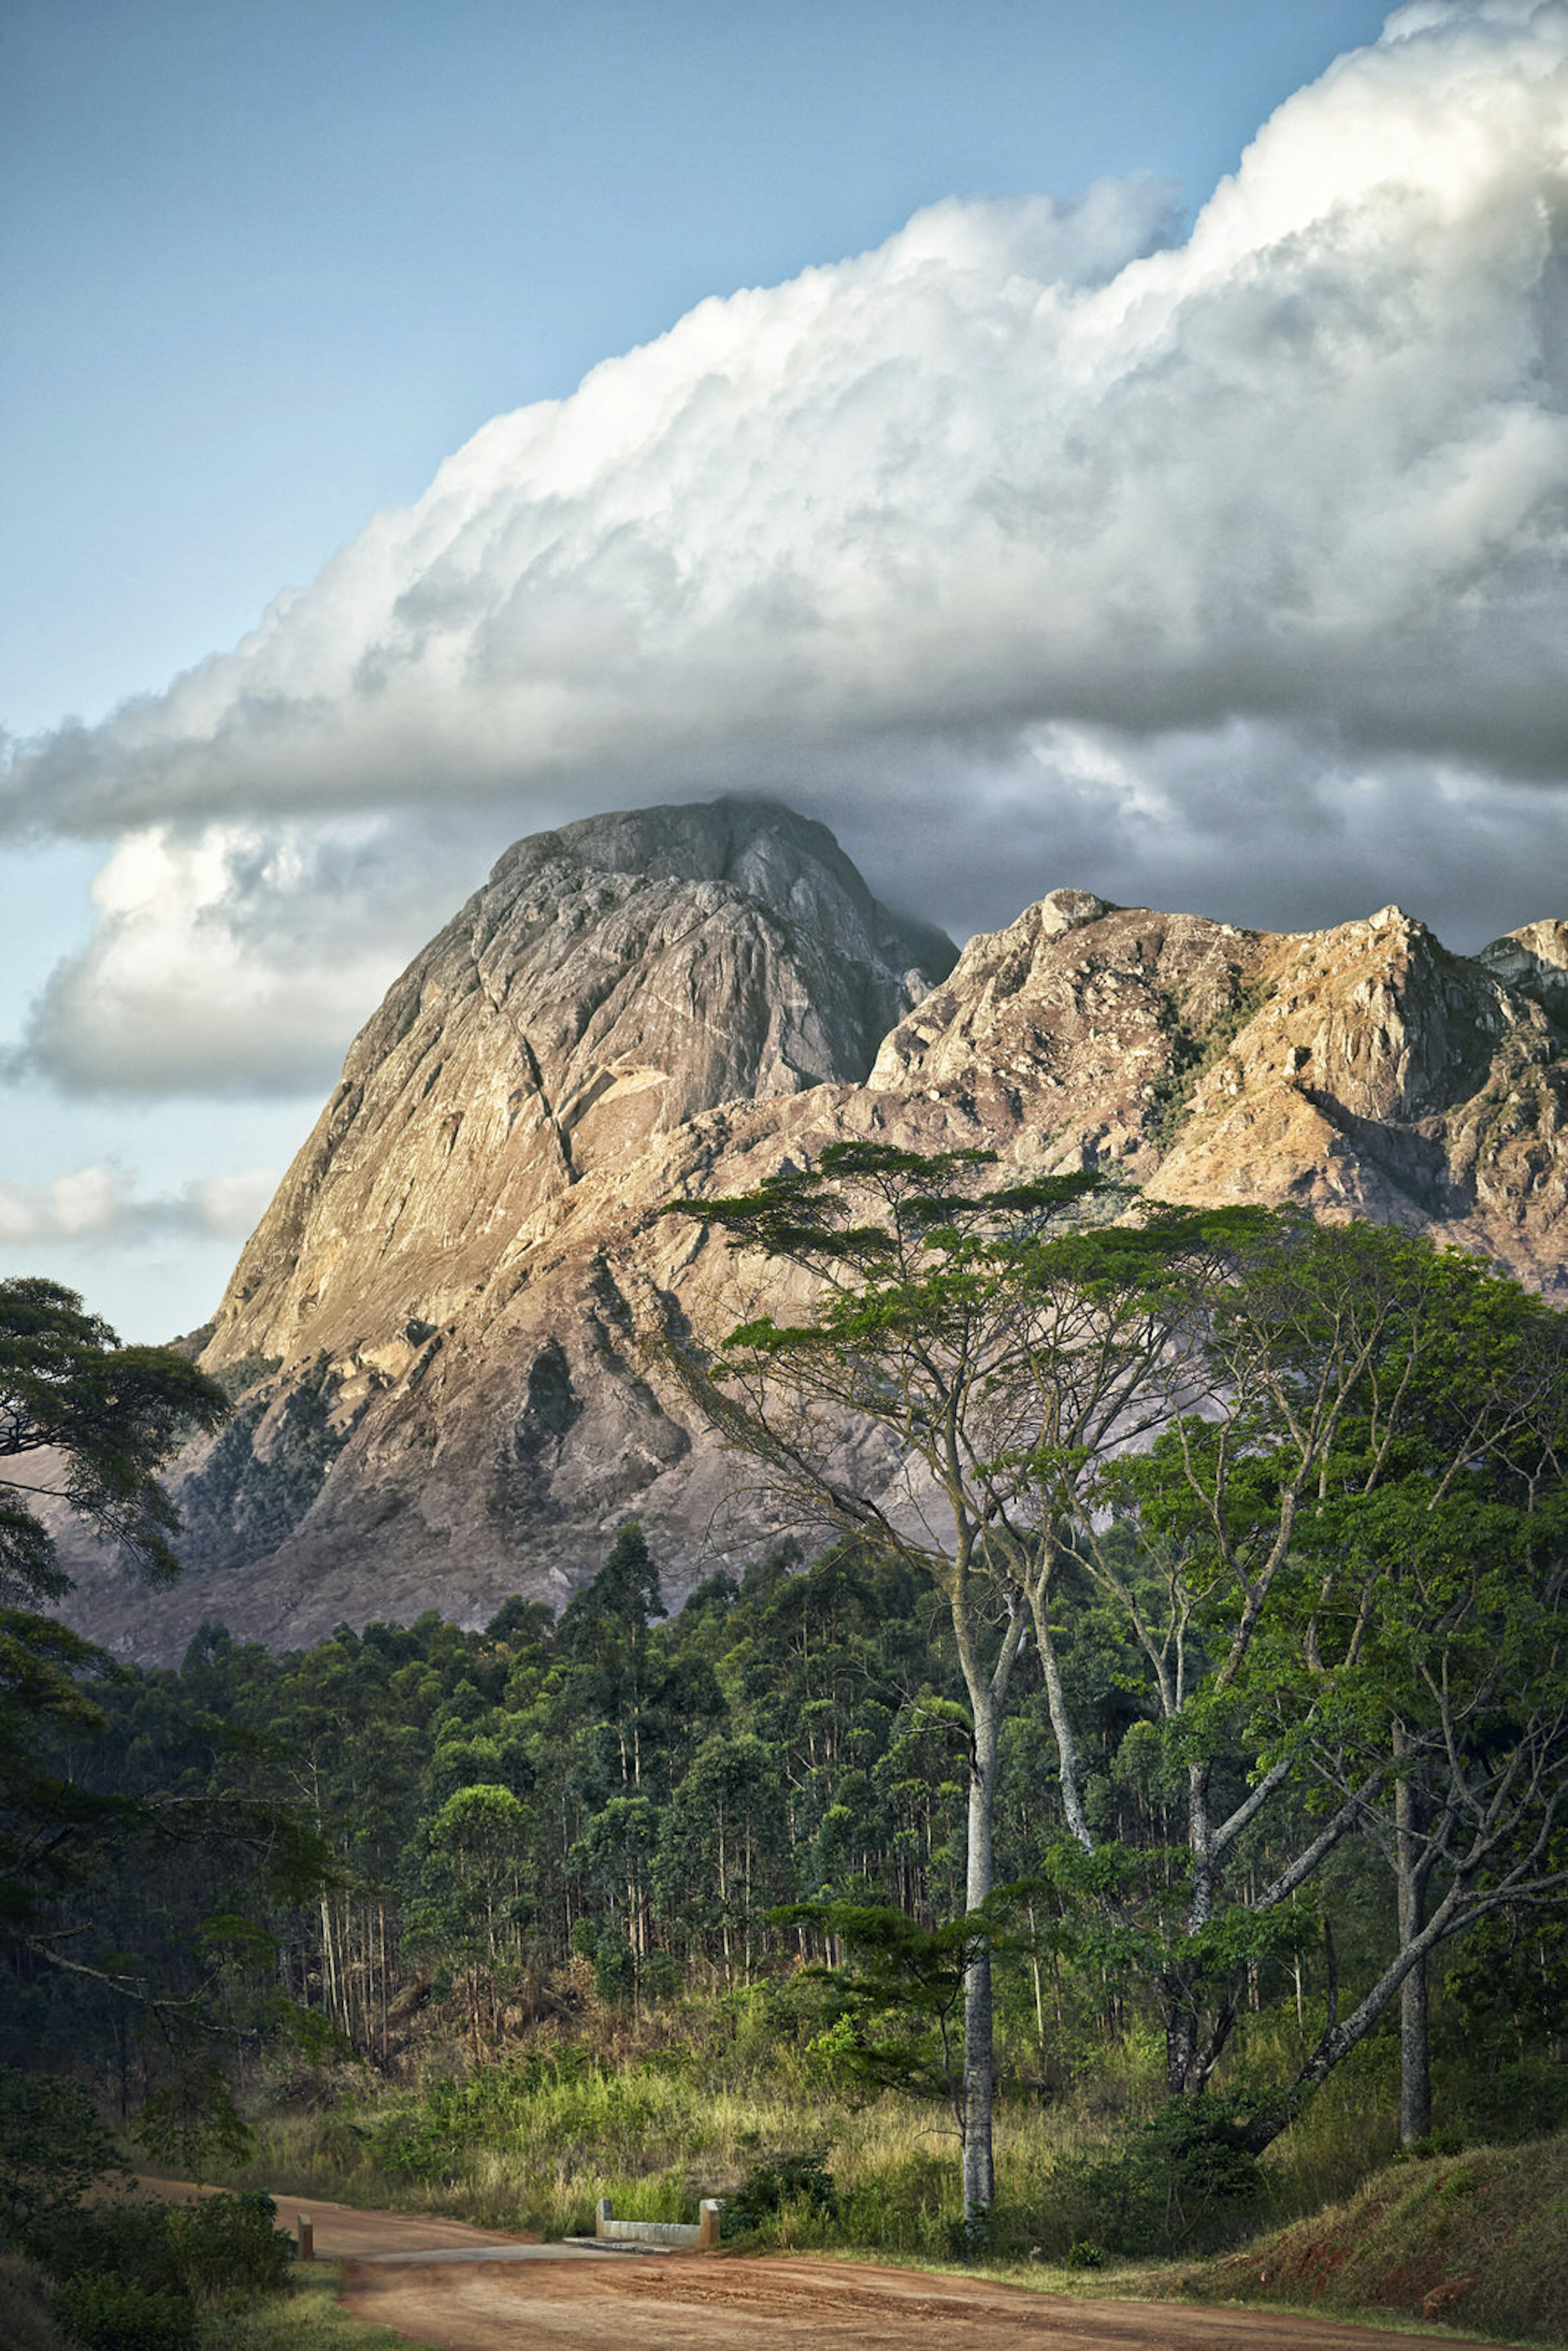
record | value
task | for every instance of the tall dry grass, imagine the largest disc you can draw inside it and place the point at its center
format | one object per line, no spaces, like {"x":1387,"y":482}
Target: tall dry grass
{"x":532,"y":2141}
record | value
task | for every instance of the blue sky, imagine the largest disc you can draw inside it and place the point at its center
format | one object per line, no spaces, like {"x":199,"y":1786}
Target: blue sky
{"x":265,"y":268}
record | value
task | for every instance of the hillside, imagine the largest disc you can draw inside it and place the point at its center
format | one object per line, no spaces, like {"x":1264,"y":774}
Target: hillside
{"x":1477,"y":2241}
{"x":433,"y":1333}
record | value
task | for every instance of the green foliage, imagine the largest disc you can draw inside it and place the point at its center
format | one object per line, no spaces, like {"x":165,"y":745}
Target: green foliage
{"x":27,"y":2315}
{"x":146,"y":2266}
{"x":242,"y":1502}
{"x":246,"y":1372}
{"x":109,"y":2313}
{"x":191,"y":2115}
{"x":749,"y":1818}
{"x":52,"y":2148}
{"x":1183,"y":2181}
{"x":1194,"y":1053}
{"x":134,"y":2240}
{"x":1513,"y":2103}
{"x":109,"y":1413}
{"x":800,"y":2181}
{"x":231,"y":2245}
{"x":891,"y":2013}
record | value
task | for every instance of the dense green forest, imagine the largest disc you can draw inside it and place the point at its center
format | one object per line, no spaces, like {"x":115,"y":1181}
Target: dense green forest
{"x":1151,"y":1820}
{"x":566,"y":1842}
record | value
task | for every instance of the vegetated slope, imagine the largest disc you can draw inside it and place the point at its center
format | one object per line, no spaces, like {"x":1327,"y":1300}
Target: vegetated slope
{"x":433,"y":1334}
{"x":1478,"y":2241}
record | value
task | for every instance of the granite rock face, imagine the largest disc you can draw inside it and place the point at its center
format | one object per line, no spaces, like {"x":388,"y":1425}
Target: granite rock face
{"x":434,"y":1333}
{"x":608,"y":982}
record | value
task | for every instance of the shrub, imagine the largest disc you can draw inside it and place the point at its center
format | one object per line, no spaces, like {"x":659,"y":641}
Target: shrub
{"x":1518,"y":2102}
{"x":411,"y":2143}
{"x":230,"y":2244}
{"x":26,"y":2321}
{"x":802,"y":2178}
{"x":110,"y":2314}
{"x":1180,"y":2182}
{"x":52,"y":2146}
{"x":218,"y":2247}
{"x":132,"y":2242}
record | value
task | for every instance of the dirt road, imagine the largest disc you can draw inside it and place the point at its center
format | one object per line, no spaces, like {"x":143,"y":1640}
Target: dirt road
{"x":700,"y":2303}
{"x":466,"y":2289}
{"x":344,"y":2232}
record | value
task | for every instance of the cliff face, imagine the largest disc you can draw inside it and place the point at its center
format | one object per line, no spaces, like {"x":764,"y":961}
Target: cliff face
{"x":608,"y":982}
{"x":434,"y":1330}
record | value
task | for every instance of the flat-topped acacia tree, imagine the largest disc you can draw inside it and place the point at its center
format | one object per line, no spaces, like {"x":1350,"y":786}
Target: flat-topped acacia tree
{"x":1314,"y":1472}
{"x":968,"y":1323}
{"x":1361,"y":1549}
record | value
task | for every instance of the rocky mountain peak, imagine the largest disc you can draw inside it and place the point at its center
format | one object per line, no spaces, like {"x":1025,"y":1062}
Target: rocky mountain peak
{"x":788,"y":866}
{"x":610,"y":981}
{"x":1067,"y":909}
{"x":1533,"y":962}
{"x":435,"y":1330}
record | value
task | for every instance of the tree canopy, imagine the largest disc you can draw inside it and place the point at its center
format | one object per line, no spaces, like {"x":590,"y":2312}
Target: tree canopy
{"x":95,"y":1420}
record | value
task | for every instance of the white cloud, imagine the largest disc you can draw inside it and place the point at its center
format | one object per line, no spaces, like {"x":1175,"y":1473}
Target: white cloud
{"x":1034,"y":519}
{"x":1021,"y":460}
{"x":99,"y":1204}
{"x":240,"y":958}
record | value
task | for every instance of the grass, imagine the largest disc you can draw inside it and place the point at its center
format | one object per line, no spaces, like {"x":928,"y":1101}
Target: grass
{"x":656,"y":2122}
{"x":308,"y":2317}
{"x":532,"y":2143}
{"x":1478,"y":2241}
{"x":305,"y":2316}
{"x":536,"y":2153}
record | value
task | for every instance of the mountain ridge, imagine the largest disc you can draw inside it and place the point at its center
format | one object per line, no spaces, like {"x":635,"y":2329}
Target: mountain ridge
{"x":434,"y":1331}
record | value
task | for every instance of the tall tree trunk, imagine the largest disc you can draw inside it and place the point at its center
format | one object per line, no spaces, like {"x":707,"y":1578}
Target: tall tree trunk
{"x":988,"y":1695}
{"x":1067,"y":1772}
{"x":1181,"y":1989}
{"x":979,"y":2173}
{"x":1415,"y":2047}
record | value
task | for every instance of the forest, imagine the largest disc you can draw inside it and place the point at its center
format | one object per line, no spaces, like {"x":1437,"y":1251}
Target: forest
{"x":1120,"y":1828}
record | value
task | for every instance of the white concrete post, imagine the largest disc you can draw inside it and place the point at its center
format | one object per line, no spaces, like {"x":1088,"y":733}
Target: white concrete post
{"x":708,"y":2212}
{"x":603,"y":2212}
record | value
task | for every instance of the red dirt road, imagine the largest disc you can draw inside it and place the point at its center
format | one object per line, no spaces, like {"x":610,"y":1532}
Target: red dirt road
{"x":700,"y":2303}
{"x":342,"y":2232}
{"x":695,"y":2302}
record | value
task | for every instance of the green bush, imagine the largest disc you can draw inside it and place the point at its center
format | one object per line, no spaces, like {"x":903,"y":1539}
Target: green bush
{"x":1180,"y":2183}
{"x":230,"y":2245}
{"x":800,"y":2180}
{"x":1516,"y":2103}
{"x":219,"y":2247}
{"x":27,"y":2319}
{"x":52,"y":2146}
{"x":133,"y":2243}
{"x":110,"y":2314}
{"x":411,"y":2143}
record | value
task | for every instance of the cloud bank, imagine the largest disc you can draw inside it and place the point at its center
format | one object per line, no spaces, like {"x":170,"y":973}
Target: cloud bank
{"x":100,"y":1204}
{"x":1038,"y":515}
{"x":239,"y":958}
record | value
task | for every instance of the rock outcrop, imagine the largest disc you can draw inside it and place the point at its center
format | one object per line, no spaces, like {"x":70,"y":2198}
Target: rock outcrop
{"x":432,"y":1333}
{"x":607,"y":982}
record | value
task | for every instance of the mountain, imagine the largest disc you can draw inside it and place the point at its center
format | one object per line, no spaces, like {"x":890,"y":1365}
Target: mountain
{"x":432,"y":1334}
